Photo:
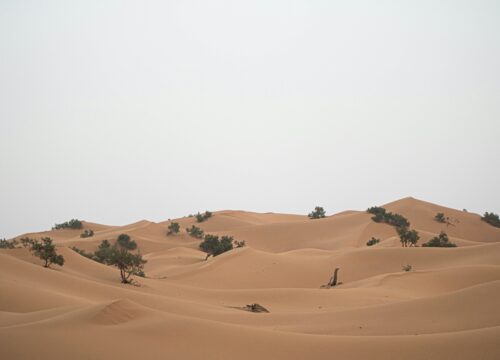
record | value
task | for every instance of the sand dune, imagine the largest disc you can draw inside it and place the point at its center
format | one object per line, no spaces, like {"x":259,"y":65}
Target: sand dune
{"x":187,"y":308}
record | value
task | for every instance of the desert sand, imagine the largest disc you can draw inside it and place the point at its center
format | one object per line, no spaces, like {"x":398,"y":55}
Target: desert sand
{"x":188,"y":308}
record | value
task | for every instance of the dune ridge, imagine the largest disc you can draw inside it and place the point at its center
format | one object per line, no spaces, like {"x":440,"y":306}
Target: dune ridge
{"x":188,"y":307}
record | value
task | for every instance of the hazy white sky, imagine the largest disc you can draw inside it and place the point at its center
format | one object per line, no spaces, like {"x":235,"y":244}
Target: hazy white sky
{"x":115,"y":111}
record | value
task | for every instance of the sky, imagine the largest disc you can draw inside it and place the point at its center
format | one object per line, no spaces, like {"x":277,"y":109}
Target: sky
{"x":118,"y":111}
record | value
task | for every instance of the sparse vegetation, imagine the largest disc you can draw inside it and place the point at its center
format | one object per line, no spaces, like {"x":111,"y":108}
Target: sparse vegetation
{"x":239,"y":244}
{"x":72,"y":224}
{"x":119,"y":255}
{"x":46,"y":251}
{"x":407,"y":268}
{"x":195,"y":232}
{"x":83,"y":253}
{"x":126,"y":242}
{"x":102,"y":254}
{"x":372,"y":241}
{"x":87,"y":233}
{"x":317,"y":213}
{"x":491,"y":218}
{"x":128,"y":263}
{"x":440,"y":218}
{"x":173,"y":228}
{"x":8,"y":244}
{"x":202,"y":217}
{"x":382,"y":215}
{"x":214,"y":246}
{"x":439,"y":241}
{"x":26,"y":242}
{"x":408,"y":237}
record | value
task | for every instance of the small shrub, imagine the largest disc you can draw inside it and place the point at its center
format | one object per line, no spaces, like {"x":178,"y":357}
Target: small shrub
{"x":46,"y":251}
{"x":491,"y":219}
{"x":195,"y":232}
{"x":317,"y":213}
{"x":87,"y":233}
{"x":8,"y":244}
{"x":372,"y":241}
{"x":202,"y":217}
{"x":407,"y":268}
{"x":173,"y":228}
{"x":72,"y":224}
{"x":214,"y":246}
{"x":83,"y":253}
{"x":239,"y":244}
{"x":440,"y":218}
{"x":439,"y":241}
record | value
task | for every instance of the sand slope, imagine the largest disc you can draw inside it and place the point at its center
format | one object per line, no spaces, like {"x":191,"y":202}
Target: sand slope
{"x":189,"y":308}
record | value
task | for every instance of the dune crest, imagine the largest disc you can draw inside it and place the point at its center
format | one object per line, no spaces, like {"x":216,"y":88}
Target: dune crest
{"x":189,"y":307}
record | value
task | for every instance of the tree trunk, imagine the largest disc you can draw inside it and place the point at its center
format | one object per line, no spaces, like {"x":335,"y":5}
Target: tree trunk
{"x":333,"y":280}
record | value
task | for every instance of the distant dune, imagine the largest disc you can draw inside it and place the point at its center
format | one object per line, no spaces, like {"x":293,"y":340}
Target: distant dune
{"x":189,"y":308}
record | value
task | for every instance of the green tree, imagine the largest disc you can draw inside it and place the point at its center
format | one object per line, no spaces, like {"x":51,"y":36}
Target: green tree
{"x":202,"y":217}
{"x":8,"y":244}
{"x":491,"y":218}
{"x":46,"y":251}
{"x":195,"y":232}
{"x":214,"y":246}
{"x":173,"y":228}
{"x":440,"y":217}
{"x":382,"y":215}
{"x":317,"y":213}
{"x":72,"y":224}
{"x":408,"y":237}
{"x":103,"y":252}
{"x":125,"y":241}
{"x":439,"y":241}
{"x":128,"y":263}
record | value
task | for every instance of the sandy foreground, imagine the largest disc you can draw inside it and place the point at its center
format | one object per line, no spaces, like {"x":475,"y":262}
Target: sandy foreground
{"x":186,"y":308}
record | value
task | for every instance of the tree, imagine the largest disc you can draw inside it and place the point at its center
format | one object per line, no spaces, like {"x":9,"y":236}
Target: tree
{"x":72,"y":224}
{"x":128,"y":263}
{"x":408,"y":237}
{"x":382,"y":215}
{"x":372,"y":241}
{"x":195,"y":232}
{"x":173,"y":228}
{"x":202,"y":217}
{"x":214,"y":246}
{"x":440,"y":218}
{"x":317,"y":213}
{"x":491,"y":218}
{"x":439,"y":241}
{"x":8,"y":244}
{"x":119,"y":255}
{"x":126,"y":242}
{"x":46,"y":251}
{"x":103,"y":253}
